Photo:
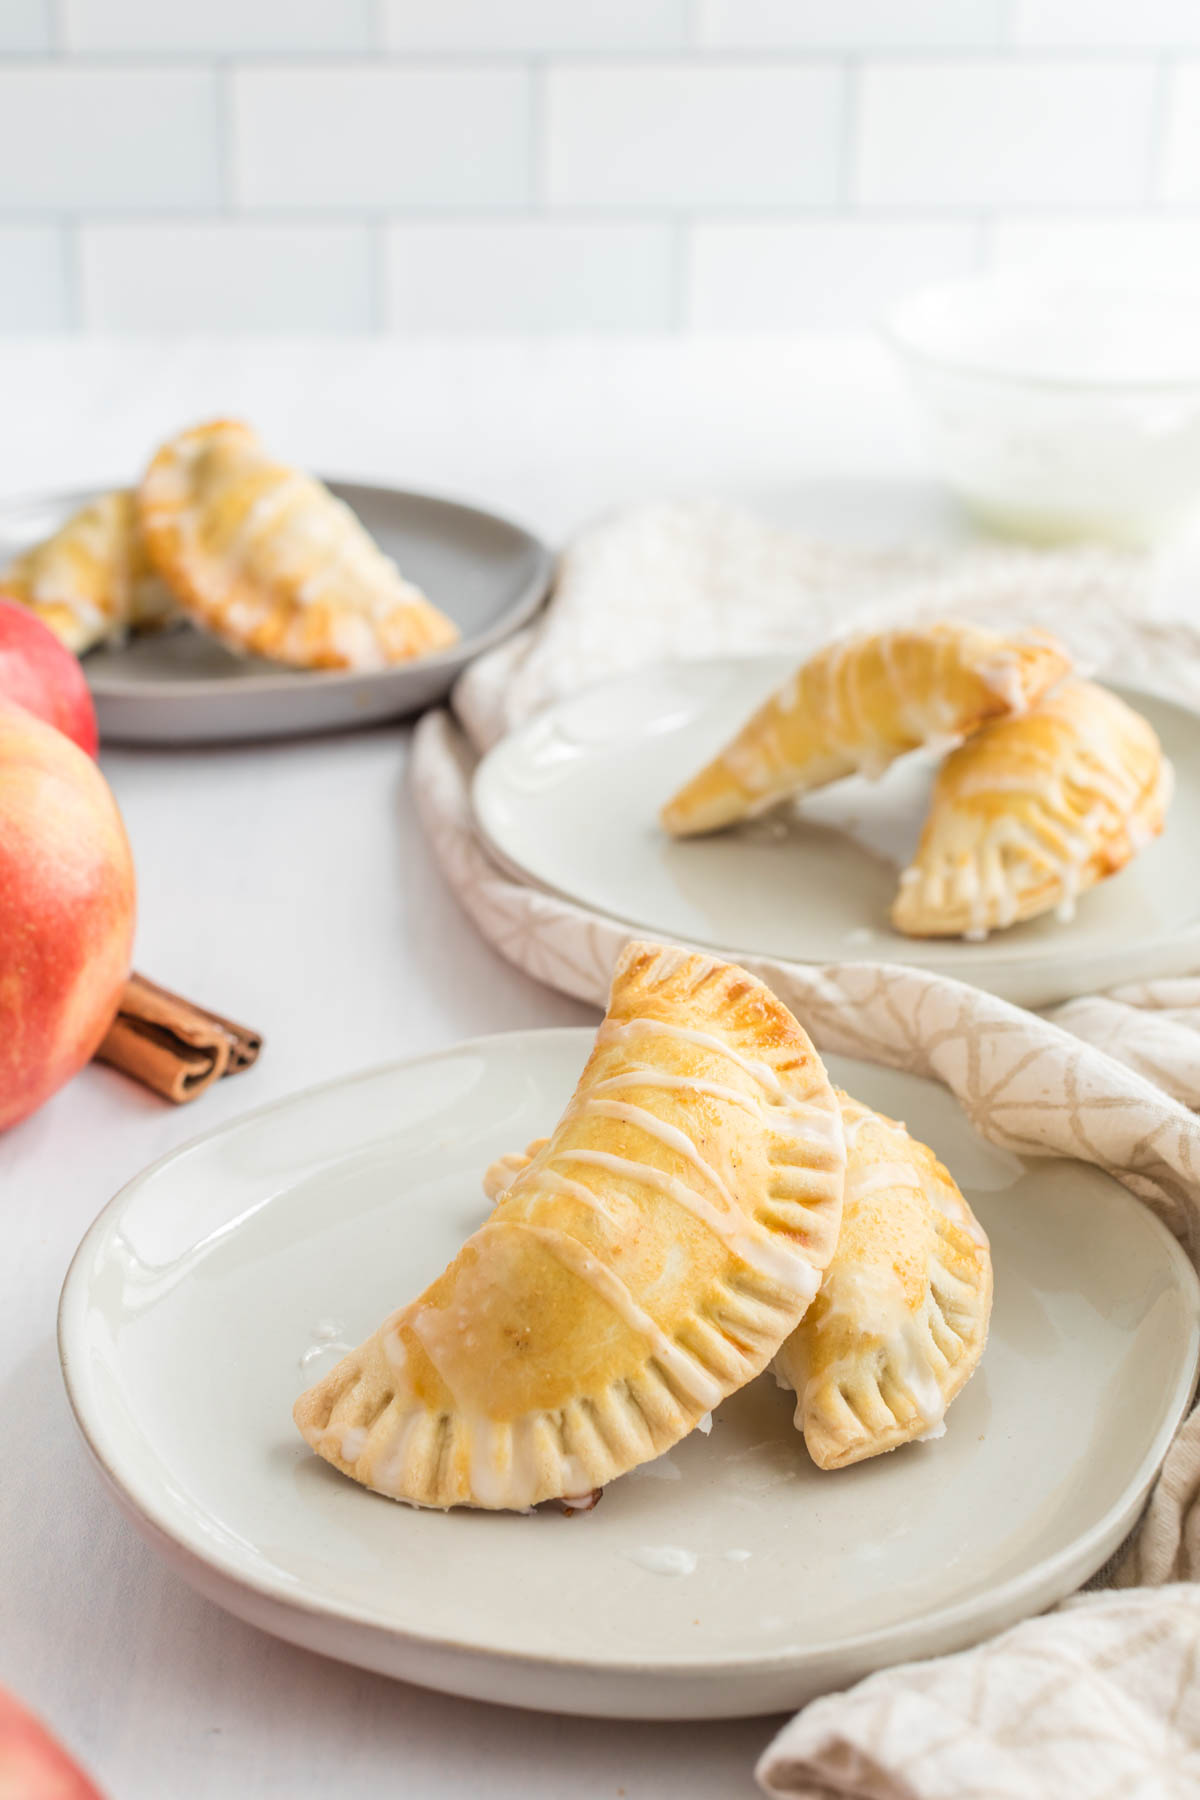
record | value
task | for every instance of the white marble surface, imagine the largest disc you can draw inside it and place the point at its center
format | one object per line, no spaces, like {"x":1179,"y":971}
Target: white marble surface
{"x":289,"y":886}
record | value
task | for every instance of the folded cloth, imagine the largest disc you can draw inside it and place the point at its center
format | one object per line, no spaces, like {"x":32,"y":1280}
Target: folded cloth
{"x":1101,"y":1079}
{"x":1097,"y":1699}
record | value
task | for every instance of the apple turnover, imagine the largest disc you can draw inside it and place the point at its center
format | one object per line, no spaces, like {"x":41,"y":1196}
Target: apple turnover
{"x":271,"y":563}
{"x":901,"y":1318}
{"x":857,"y":705}
{"x":1031,"y":811}
{"x":92,"y":582}
{"x":650,"y":1258}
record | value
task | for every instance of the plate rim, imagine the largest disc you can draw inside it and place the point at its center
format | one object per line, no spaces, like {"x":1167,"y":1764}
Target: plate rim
{"x":1025,"y":964}
{"x":287,"y":679}
{"x":74,"y":1309}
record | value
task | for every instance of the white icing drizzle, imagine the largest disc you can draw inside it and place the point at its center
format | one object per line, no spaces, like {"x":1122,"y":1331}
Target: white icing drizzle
{"x":1001,"y":672}
{"x":642,"y":1076}
{"x":654,"y":1127}
{"x":665,"y":1559}
{"x":859,"y":1120}
{"x":872,"y":1300}
{"x":771,"y":1255}
{"x":325,"y":1340}
{"x":873,"y":1178}
{"x":575,"y":1190}
{"x":695,"y":1381}
{"x":581,"y":1503}
{"x":502,"y":1466}
{"x":349,"y":1441}
{"x":813,"y":1121}
{"x":617,"y":1030}
{"x":500,"y":1175}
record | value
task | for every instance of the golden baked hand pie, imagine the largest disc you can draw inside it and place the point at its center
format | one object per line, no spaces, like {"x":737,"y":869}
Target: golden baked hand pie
{"x":92,"y":581}
{"x":650,"y":1259}
{"x":857,"y":705}
{"x":900,"y":1321}
{"x":269,"y":561}
{"x":1032,"y":811}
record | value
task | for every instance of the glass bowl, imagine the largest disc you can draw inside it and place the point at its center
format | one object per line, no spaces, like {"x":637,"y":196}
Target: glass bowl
{"x":1059,"y":410}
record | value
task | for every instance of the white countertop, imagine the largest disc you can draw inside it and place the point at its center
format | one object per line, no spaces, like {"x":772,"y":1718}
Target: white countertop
{"x":289,"y":887}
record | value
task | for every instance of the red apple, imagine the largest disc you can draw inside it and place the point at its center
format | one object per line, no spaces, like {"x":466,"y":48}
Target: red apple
{"x":33,"y":1766}
{"x":66,"y":910}
{"x":41,"y":674}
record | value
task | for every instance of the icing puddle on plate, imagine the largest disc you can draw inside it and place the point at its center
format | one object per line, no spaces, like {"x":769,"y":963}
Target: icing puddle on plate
{"x":673,"y":1559}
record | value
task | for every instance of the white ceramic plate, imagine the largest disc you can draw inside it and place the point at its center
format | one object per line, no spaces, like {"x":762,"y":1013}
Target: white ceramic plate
{"x":571,"y":800}
{"x":193,"y":1315}
{"x":180,"y":686}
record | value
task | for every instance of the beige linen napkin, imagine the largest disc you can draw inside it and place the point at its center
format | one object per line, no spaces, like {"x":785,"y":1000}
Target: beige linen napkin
{"x":1025,"y":1714}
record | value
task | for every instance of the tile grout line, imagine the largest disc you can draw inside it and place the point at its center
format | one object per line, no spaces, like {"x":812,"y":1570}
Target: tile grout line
{"x":693,"y":57}
{"x":911,"y":213}
{"x":71,"y":252}
{"x":1156,"y":157}
{"x":378,"y":274}
{"x":847,"y":172}
{"x":539,"y":155}
{"x":683,"y":234}
{"x":1005,"y":27}
{"x":223,"y":78}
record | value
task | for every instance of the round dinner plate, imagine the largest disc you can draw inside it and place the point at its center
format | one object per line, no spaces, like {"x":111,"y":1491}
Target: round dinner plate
{"x":182,"y":686}
{"x":729,"y":1577}
{"x":571,"y":801}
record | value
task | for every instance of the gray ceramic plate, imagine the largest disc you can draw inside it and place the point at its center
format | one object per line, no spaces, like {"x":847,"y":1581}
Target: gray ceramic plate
{"x":571,"y":800}
{"x":180,"y":686}
{"x":730,"y":1576}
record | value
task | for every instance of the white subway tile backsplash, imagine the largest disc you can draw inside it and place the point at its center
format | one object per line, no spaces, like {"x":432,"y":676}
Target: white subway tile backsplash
{"x":226,"y":277}
{"x":531,"y":275}
{"x":107,"y":138}
{"x":536,"y":27}
{"x":802,"y":274}
{"x":379,"y":137}
{"x":221,"y":27}
{"x":672,"y":134}
{"x":1136,"y":248}
{"x":594,"y":165}
{"x":1179,"y":177}
{"x":1104,"y":24}
{"x":33,"y":278}
{"x":25,"y":25}
{"x":1038,"y":134}
{"x":848,"y":24}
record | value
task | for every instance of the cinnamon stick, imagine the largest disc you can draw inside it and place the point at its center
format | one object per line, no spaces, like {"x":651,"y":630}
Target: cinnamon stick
{"x":173,"y":1046}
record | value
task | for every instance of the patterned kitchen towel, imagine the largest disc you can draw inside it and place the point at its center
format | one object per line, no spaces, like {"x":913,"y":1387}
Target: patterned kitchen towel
{"x":1100,"y":1698}
{"x":1023,"y":1715}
